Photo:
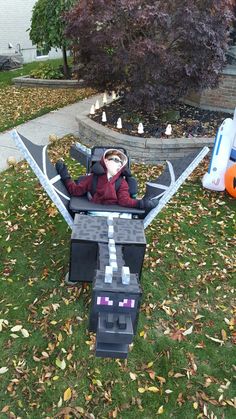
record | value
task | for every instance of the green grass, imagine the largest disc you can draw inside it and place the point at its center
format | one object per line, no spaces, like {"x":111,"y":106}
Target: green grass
{"x":188,"y":280}
{"x":7,"y":76}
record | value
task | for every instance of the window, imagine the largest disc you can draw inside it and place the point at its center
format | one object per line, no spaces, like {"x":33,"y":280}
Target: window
{"x":41,"y":51}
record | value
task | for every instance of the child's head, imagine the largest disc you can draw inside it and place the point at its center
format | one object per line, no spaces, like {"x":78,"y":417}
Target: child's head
{"x":114,"y":161}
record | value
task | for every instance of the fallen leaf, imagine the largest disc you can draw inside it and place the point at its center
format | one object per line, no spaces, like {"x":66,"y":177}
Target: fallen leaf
{"x":162,"y":380}
{"x":59,"y":404}
{"x":200,"y":345}
{"x":223,"y":335}
{"x":178,"y":375}
{"x":150,"y":364}
{"x":215,"y":339}
{"x":188,"y":331}
{"x":3,"y":323}
{"x":16,"y":328}
{"x":178,"y":335}
{"x":3,"y":370}
{"x":25,"y":333}
{"x":60,"y":364}
{"x":152,"y":374}
{"x":45,"y":354}
{"x":153,"y":389}
{"x":97,"y":382}
{"x":67,"y":394}
{"x":160,"y":410}
{"x":5,"y":408}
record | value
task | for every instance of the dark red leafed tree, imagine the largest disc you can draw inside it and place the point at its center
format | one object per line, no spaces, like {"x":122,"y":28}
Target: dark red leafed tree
{"x":153,"y":51}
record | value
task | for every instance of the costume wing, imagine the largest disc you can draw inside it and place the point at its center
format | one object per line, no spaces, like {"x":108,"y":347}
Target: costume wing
{"x":36,"y":156}
{"x":175,"y":173}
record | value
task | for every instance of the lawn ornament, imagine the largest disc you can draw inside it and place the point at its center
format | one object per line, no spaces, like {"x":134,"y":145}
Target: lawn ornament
{"x":168,"y":130}
{"x":119,"y":123}
{"x":140,"y":128}
{"x":104,"y":99}
{"x":223,"y":155}
{"x":108,"y":243}
{"x":104,"y":117}
{"x":92,"y":110}
{"x":230,"y":180}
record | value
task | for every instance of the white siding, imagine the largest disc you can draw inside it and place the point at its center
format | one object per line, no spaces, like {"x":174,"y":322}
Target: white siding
{"x":15,"y":17}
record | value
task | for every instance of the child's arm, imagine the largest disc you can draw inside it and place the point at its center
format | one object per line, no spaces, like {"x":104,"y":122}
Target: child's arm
{"x":73,"y":188}
{"x":78,"y":189}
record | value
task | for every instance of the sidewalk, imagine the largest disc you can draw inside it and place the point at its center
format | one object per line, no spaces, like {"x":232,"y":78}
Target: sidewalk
{"x":60,"y":122}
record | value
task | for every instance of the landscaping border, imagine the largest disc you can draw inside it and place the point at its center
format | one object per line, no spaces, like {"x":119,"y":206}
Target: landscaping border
{"x":143,"y":150}
{"x":26,"y":81}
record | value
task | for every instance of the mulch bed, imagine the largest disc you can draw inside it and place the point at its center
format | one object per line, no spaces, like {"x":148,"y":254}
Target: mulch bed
{"x":186,"y":121}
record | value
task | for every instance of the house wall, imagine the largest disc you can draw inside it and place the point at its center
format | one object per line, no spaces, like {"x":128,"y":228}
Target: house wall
{"x":15,"y":19}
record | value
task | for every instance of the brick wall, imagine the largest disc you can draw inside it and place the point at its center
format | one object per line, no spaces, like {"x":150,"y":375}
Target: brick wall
{"x":223,"y":98}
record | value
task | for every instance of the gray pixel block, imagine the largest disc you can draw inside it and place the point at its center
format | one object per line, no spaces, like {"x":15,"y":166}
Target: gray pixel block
{"x":96,"y":229}
{"x":120,"y":330}
{"x":109,"y":350}
{"x":127,"y":233}
{"x":91,"y":229}
{"x":116,"y":285}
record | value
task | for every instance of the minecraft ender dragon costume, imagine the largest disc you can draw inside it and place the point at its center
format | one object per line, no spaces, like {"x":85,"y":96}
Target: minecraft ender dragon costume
{"x":107,"y":250}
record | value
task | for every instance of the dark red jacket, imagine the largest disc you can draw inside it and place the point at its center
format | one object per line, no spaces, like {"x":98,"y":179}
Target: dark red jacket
{"x":105,"y":191}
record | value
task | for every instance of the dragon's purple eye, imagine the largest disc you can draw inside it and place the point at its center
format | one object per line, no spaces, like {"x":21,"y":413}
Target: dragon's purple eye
{"x":104,"y":301}
{"x":127,"y":302}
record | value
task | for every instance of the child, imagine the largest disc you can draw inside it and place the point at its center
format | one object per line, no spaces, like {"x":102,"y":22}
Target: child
{"x":110,"y":168}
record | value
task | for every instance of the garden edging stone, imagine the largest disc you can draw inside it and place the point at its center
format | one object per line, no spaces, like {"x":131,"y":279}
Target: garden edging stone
{"x":143,"y":150}
{"x":26,"y":81}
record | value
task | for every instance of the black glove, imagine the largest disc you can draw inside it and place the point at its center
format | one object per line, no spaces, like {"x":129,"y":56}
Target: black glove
{"x":62,"y":170}
{"x":147,"y":204}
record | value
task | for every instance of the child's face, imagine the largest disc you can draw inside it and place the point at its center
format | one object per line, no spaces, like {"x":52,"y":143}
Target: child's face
{"x":113,"y":164}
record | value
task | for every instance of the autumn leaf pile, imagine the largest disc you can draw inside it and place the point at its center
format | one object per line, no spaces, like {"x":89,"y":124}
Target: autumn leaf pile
{"x":182,"y":362}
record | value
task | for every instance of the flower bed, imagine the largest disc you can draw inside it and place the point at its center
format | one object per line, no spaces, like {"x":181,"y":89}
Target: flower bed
{"x":140,"y":149}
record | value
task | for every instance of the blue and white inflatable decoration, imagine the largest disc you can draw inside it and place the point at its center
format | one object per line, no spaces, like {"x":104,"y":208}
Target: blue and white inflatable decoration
{"x":223,"y":155}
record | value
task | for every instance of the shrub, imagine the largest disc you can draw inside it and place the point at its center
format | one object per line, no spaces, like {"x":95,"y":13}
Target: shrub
{"x":47,"y":71}
{"x":153,"y":51}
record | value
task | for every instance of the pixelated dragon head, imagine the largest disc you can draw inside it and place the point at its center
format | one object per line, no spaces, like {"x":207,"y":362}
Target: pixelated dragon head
{"x":114,"y":315}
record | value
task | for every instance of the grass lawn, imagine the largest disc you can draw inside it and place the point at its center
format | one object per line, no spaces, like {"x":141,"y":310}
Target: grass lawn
{"x":7,"y":76}
{"x":182,"y":362}
{"x":18,"y":105}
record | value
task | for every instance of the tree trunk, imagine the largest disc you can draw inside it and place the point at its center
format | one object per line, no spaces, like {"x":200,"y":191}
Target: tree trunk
{"x":65,"y":63}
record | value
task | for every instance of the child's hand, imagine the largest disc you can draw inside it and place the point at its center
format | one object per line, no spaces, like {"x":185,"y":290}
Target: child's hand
{"x":62,"y":170}
{"x":147,"y":204}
